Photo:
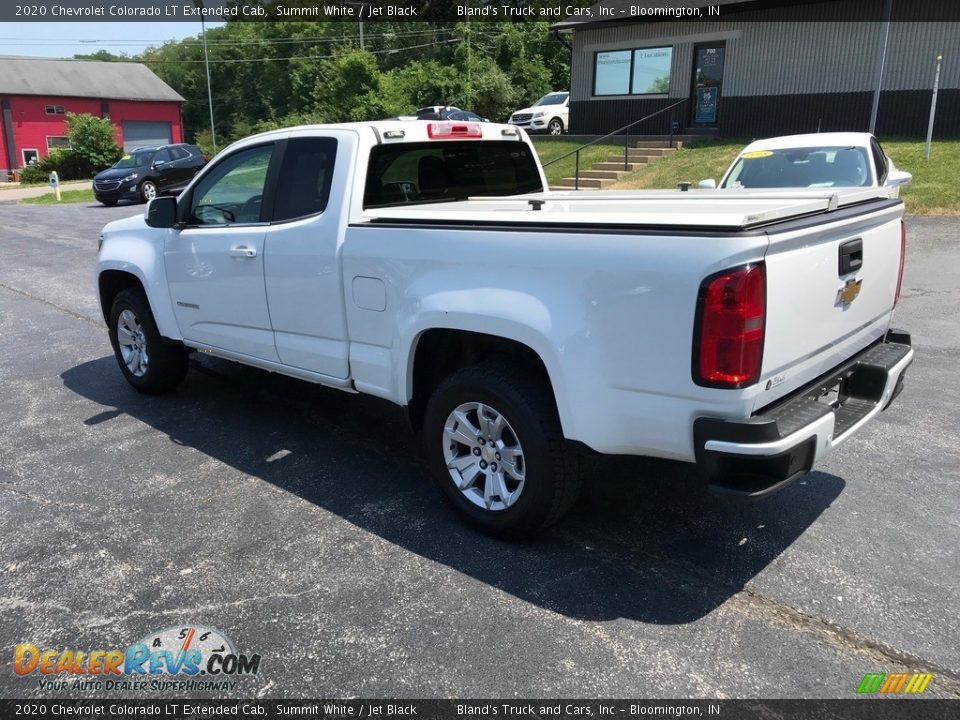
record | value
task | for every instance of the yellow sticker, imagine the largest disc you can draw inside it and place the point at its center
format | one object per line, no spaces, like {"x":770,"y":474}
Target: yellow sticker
{"x":754,"y":154}
{"x":126,"y":157}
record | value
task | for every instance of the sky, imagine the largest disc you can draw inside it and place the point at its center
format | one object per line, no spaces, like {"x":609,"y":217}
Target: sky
{"x":66,"y":39}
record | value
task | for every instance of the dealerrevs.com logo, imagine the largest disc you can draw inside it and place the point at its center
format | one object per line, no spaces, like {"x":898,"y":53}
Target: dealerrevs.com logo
{"x":171,"y":659}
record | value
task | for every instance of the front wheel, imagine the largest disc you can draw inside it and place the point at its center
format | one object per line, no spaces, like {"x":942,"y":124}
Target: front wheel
{"x":148,"y":190}
{"x":149,"y":364}
{"x":494,"y":444}
{"x":555,"y":127}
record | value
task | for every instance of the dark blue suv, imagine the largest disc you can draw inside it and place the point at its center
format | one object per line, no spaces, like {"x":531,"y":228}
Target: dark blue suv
{"x":146,"y":172}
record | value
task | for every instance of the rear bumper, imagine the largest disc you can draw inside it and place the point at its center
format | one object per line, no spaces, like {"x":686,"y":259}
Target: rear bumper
{"x":764,"y":453}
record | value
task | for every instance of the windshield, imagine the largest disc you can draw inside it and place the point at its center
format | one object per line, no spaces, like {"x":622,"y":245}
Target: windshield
{"x":813,"y":167}
{"x":431,"y":172}
{"x":552,"y":99}
{"x":140,"y":158}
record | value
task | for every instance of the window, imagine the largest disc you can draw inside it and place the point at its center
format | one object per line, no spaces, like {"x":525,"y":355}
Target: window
{"x":233,"y":191}
{"x":817,"y":167}
{"x":449,"y":170}
{"x":54,"y":109}
{"x":644,"y":71}
{"x":880,"y":160}
{"x":305,"y":176}
{"x":55,"y":141}
{"x":29,"y":156}
{"x":178,"y":153}
{"x":164,"y":155}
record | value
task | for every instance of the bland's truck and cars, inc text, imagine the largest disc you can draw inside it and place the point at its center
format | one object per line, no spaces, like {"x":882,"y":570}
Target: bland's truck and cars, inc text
{"x":425,"y":263}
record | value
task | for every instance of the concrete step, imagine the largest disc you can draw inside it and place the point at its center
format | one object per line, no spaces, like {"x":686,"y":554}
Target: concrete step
{"x":586,"y":182}
{"x":615,"y":165}
{"x":565,"y":188}
{"x":603,"y":174}
{"x":651,"y":151}
{"x":634,"y":160}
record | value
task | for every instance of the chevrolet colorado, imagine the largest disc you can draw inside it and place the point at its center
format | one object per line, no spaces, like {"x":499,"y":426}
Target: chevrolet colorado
{"x":425,"y":263}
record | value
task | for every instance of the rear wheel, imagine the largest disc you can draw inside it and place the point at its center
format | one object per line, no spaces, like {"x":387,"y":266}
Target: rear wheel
{"x":495,"y":446}
{"x":148,"y":190}
{"x":148,"y":363}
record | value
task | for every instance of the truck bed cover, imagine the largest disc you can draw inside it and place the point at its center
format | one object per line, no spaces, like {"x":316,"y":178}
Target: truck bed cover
{"x":720,"y":209}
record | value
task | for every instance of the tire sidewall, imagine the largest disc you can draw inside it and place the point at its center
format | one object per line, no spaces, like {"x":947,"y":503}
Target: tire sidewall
{"x":555,"y":122}
{"x":143,"y":195}
{"x":530,"y":510}
{"x":126,"y":300}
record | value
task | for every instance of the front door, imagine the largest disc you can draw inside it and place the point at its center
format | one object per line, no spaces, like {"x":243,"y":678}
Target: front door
{"x":215,"y":263}
{"x":707,"y":83}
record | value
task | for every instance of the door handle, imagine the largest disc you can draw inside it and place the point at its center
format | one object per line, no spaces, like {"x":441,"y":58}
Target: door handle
{"x":242,"y":251}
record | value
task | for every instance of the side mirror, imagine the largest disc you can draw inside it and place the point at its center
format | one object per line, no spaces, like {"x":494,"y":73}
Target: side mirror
{"x":709,"y":184}
{"x":896,"y":178}
{"x":161,"y":212}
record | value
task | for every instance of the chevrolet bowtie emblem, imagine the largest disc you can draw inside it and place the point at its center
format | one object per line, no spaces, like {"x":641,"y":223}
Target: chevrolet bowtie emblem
{"x":848,"y":293}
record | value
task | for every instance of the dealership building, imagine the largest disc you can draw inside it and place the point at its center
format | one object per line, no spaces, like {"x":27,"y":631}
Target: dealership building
{"x":37,"y":93}
{"x":757,"y":69}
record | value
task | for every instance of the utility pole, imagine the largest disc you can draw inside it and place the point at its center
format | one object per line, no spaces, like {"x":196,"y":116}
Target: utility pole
{"x":933,"y":105}
{"x":887,"y":11}
{"x":206,"y":62}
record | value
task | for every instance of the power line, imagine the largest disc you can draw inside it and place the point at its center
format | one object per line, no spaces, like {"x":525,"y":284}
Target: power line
{"x":224,"y":43}
{"x":301,"y":57}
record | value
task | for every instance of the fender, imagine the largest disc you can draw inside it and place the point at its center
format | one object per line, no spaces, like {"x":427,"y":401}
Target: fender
{"x":508,"y":314}
{"x":133,"y":248}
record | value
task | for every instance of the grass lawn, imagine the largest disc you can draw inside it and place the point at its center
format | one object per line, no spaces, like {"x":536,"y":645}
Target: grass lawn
{"x":934,"y":189}
{"x":932,"y":192}
{"x":551,"y":149}
{"x":67,"y":196}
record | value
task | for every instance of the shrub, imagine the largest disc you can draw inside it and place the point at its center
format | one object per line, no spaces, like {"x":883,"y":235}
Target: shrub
{"x":65,"y":161}
{"x":93,"y":141}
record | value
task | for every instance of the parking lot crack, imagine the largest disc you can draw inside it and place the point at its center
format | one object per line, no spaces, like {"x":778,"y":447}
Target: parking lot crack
{"x":69,"y":312}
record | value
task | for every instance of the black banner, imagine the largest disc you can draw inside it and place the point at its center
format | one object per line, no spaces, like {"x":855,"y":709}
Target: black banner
{"x":854,"y":709}
{"x":446,"y":11}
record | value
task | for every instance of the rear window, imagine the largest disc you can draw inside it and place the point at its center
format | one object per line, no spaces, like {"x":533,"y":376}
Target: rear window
{"x":447,"y":170}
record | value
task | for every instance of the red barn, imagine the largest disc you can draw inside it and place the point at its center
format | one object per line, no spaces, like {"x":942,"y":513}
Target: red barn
{"x":36,"y":94}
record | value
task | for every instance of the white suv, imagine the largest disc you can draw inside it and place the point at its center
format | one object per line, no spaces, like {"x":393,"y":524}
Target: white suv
{"x":548,"y":114}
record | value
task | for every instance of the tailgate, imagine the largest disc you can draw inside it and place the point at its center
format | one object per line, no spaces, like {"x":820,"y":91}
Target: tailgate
{"x":823,"y":306}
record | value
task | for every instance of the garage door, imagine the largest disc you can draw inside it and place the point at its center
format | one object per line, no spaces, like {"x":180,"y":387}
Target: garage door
{"x":144,"y":134}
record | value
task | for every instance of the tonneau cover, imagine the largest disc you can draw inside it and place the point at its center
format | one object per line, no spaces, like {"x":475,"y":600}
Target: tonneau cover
{"x":724,"y":209}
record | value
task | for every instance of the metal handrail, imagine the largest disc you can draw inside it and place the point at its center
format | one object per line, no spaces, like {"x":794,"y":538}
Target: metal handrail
{"x":626,"y":142}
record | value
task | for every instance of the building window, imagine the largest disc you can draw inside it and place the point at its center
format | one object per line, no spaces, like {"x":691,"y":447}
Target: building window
{"x":57,"y":141}
{"x":55,"y":110}
{"x":30,"y":156}
{"x":644,"y":71}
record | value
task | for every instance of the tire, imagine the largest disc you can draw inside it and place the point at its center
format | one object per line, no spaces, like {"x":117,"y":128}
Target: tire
{"x":159,"y":367}
{"x":108,"y":203}
{"x":544,"y":479}
{"x":148,"y":190}
{"x":555,"y":127}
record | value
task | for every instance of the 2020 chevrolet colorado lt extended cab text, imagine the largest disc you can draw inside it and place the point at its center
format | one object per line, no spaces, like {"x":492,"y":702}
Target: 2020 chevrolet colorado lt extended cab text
{"x":423,"y":262}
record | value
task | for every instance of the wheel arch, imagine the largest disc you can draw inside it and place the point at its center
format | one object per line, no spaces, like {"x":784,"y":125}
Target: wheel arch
{"x":437,"y":352}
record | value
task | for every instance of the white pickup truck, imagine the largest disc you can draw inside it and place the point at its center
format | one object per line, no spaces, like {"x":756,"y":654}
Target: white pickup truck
{"x":423,"y":262}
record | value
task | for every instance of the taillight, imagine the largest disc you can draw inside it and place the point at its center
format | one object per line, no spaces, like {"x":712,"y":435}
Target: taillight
{"x":903,"y":259}
{"x":453,"y":130}
{"x":729,"y":327}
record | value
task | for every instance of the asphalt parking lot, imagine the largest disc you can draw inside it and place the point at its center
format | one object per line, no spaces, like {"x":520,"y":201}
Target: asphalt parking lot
{"x":299,"y":522}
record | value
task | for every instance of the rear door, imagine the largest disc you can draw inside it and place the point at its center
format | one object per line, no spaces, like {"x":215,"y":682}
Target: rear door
{"x":831,"y":288}
{"x":302,"y":260}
